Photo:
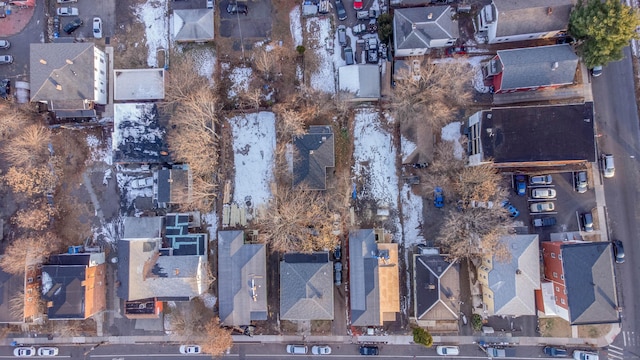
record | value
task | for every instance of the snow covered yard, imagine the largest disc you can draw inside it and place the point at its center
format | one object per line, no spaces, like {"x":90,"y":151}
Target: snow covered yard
{"x":318,"y":30}
{"x":153,"y":14}
{"x":254,"y":143}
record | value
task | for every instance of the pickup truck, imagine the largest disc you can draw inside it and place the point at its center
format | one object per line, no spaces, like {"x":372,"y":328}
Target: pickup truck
{"x":362,"y":15}
{"x":548,"y":221}
{"x":142,"y":183}
{"x":500,"y":352}
{"x":358,"y":29}
{"x":371,"y":46}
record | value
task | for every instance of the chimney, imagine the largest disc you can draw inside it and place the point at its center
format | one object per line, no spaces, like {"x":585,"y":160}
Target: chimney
{"x":549,"y":10}
{"x":430,"y":16}
{"x":555,"y":65}
{"x":43,"y":61}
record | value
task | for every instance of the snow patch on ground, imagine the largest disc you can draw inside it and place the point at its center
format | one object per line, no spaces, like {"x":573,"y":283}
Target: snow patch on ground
{"x":153,"y":15}
{"x":209,"y":300}
{"x":451,"y":132}
{"x":324,"y":77}
{"x":205,"y":60}
{"x":109,"y":232}
{"x":240,"y":77}
{"x":254,"y":143}
{"x":100,"y":152}
{"x":295,"y":26}
{"x":412,"y":216}
{"x":212,"y":224}
{"x":407,"y":148}
{"x":127,"y":191}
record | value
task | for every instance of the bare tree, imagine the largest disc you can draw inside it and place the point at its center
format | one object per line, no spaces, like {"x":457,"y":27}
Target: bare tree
{"x":29,"y":148}
{"x":443,"y":170}
{"x":291,"y":122}
{"x":297,"y":221}
{"x":181,"y":81}
{"x":27,"y":250}
{"x":431,"y":92}
{"x":36,"y":217}
{"x":14,"y":117}
{"x":480,"y":183}
{"x":216,"y":340}
{"x":30,"y":181}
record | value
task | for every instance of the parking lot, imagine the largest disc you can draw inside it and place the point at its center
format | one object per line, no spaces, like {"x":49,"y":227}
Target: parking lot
{"x":568,"y":205}
{"x":255,"y":24}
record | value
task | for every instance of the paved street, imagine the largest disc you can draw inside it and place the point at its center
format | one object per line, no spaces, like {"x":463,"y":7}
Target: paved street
{"x":617,"y":126}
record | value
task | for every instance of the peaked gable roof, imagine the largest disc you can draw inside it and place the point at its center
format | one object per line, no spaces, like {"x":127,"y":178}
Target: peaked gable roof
{"x":62,"y":71}
{"x":513,"y":282}
{"x":363,"y":278}
{"x":193,"y":25}
{"x":306,"y":287}
{"x":315,"y":153}
{"x":242,"y":275}
{"x":363,"y":80}
{"x":590,"y":282}
{"x":517,"y":17}
{"x":437,"y":287}
{"x":416,"y":28}
{"x":538,"y":66}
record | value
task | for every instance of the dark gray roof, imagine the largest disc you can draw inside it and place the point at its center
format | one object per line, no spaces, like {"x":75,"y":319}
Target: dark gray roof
{"x":306,"y":287}
{"x":138,"y":135}
{"x":538,"y":66}
{"x":315,"y":152}
{"x":539,"y":133}
{"x":11,"y":286}
{"x":514,"y":282}
{"x":590,"y":282}
{"x":62,"y":285}
{"x":68,"y":65}
{"x":242,"y":272}
{"x":149,"y":227}
{"x":173,"y":185}
{"x":417,"y":27}
{"x":429,"y":289}
{"x":363,"y":278}
{"x":517,"y":17}
{"x":193,"y":25}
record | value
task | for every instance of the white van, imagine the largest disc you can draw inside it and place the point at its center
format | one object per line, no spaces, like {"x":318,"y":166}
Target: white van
{"x":448,"y":350}
{"x":297,"y":349}
{"x":607,"y":166}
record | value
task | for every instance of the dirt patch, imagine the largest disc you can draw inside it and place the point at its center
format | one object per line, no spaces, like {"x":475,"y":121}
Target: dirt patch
{"x":554,"y":327}
{"x":320,"y":327}
{"x":593,"y":331}
{"x":288,"y":327}
{"x":130,"y":49}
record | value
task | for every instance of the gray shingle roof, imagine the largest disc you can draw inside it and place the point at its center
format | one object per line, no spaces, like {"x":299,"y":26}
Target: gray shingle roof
{"x":193,"y":25}
{"x":315,"y":153}
{"x":590,"y":282}
{"x":517,"y":17}
{"x":363,"y":278}
{"x":418,"y":27}
{"x":431,"y":288}
{"x":513,"y":283}
{"x":363,"y":80}
{"x":68,"y":65}
{"x":538,"y":66}
{"x":241,"y":266}
{"x":306,"y":287}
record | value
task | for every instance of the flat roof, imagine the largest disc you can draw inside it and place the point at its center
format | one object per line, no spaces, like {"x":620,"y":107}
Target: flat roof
{"x":138,"y":84}
{"x":539,"y":133}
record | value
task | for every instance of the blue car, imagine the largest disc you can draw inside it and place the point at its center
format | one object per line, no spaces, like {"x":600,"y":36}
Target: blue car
{"x":521,"y":185}
{"x":511,"y":209}
{"x":438,"y":198}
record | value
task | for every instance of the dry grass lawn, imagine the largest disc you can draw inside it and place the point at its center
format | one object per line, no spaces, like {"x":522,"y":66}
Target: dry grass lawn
{"x":554,"y":327}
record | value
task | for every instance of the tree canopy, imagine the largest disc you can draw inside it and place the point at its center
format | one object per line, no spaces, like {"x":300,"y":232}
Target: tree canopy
{"x":603,"y":29}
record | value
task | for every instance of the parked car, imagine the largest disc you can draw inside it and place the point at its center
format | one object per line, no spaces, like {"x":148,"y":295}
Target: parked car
{"x":142,"y":183}
{"x":24,"y":351}
{"x":5,"y":88}
{"x":48,"y":351}
{"x":371,"y":46}
{"x":542,"y":207}
{"x":67,"y":11}
{"x":297,"y":349}
{"x":543,"y":222}
{"x":587,"y":222}
{"x":369,"y":350}
{"x":66,"y":1}
{"x":337,"y":252}
{"x":618,"y":251}
{"x":596,"y":71}
{"x":584,"y":355}
{"x":438,"y":198}
{"x":357,"y":4}
{"x":358,"y":29}
{"x":97,"y":28}
{"x":482,"y":204}
{"x":321,"y":350}
{"x":608,"y":167}
{"x":500,"y":352}
{"x":555,"y":351}
{"x":456,"y":50}
{"x":543,"y":193}
{"x":521,"y":185}
{"x":337,"y":267}
{"x":581,"y":182}
{"x":362,"y":15}
{"x":190,"y":349}
{"x":56,"y":26}
{"x":6,"y":59}
{"x":209,"y":4}
{"x":340,"y":10}
{"x":235,"y":8}
{"x":511,"y":209}
{"x":540,"y":180}
{"x":342,"y":35}
{"x":5,"y":44}
{"x":72,"y":26}
{"x":348,"y":55}
{"x":447,"y":350}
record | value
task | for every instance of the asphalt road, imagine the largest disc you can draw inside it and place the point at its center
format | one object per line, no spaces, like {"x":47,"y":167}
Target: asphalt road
{"x":619,"y":134}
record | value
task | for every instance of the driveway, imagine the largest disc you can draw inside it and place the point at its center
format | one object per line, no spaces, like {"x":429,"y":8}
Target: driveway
{"x":256,"y":24}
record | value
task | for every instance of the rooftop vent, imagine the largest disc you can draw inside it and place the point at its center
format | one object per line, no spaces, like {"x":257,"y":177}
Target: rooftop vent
{"x":549,"y":10}
{"x":69,"y":62}
{"x":554,"y":65}
{"x":430,"y":16}
{"x":43,"y":61}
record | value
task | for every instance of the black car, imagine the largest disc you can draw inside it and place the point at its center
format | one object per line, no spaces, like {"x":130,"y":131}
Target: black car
{"x":337,"y":252}
{"x":369,"y":350}
{"x":555,"y":352}
{"x":618,"y":251}
{"x":5,"y":88}
{"x":73,"y":26}
{"x":237,"y":9}
{"x":342,"y":13}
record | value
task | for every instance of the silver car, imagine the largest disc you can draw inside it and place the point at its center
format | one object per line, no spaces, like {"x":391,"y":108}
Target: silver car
{"x":542,"y":207}
{"x":6,"y":59}
{"x":540,"y":180}
{"x":97,"y":28}
{"x":5,"y":44}
{"x":581,"y":182}
{"x":67,"y":11}
{"x":608,"y":167}
{"x":543,"y":193}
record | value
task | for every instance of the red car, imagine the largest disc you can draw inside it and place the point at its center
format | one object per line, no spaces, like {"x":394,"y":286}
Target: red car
{"x":357,"y":4}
